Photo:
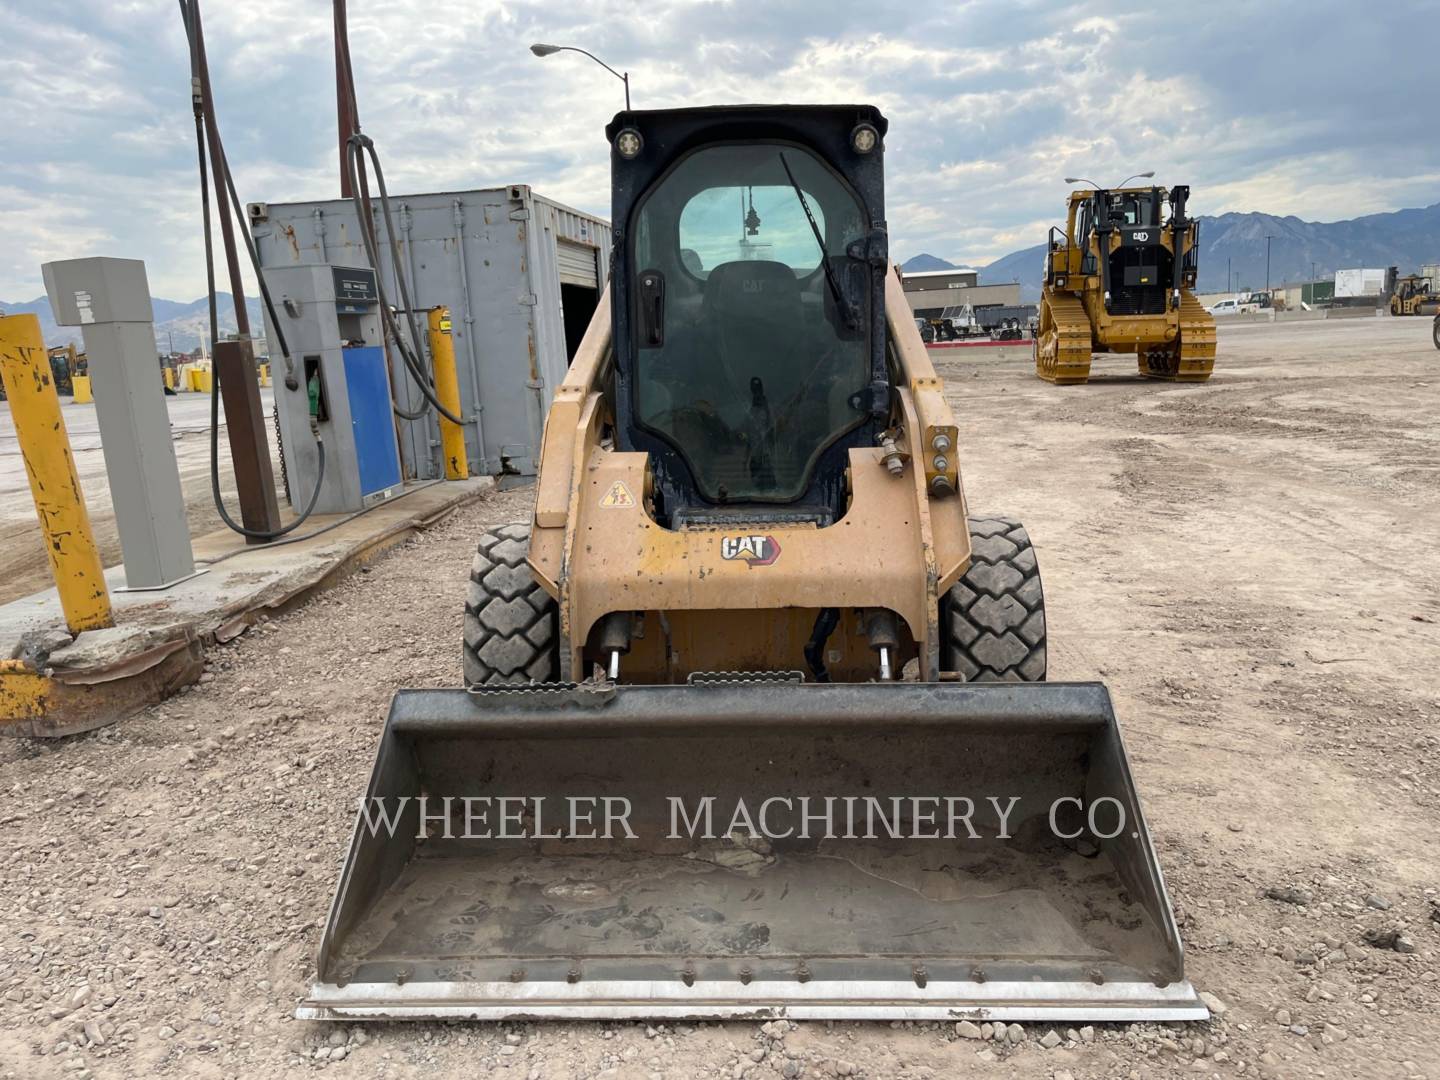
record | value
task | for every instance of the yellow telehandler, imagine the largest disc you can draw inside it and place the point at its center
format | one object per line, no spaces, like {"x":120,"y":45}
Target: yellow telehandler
{"x":755,"y":722}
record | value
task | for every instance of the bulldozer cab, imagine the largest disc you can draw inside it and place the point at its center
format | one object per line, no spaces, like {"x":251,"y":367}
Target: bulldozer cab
{"x":747,"y":282}
{"x":1139,"y":242}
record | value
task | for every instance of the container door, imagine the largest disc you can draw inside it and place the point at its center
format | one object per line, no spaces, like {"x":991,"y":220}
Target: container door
{"x":577,"y":264}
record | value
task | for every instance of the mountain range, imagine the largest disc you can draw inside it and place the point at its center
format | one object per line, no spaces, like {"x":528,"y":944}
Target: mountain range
{"x":1236,"y":243}
{"x":1233,"y":242}
{"x":178,"y":326}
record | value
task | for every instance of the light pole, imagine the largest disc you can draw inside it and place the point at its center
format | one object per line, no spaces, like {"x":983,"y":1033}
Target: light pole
{"x":1138,"y":176}
{"x":540,"y":49}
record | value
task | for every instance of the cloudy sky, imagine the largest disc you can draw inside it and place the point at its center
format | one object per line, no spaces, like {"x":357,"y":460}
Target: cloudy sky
{"x":1307,"y":108}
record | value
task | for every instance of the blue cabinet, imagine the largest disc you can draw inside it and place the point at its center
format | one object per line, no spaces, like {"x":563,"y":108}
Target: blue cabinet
{"x":377,"y":458}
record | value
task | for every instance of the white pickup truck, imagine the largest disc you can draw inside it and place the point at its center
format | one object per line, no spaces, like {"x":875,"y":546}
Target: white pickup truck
{"x":1234,"y":306}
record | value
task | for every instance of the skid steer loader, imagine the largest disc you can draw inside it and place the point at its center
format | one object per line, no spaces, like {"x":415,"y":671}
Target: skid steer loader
{"x":1119,"y":279}
{"x":755,"y":722}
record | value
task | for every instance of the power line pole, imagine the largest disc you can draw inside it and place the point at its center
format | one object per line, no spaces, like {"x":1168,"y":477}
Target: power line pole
{"x":1268,"y":238}
{"x":1228,"y":278}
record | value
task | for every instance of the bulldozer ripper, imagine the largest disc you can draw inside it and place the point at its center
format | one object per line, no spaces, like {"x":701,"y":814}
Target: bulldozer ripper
{"x":779,"y":817}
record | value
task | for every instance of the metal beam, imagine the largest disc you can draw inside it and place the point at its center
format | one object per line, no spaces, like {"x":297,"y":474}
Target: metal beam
{"x":249,"y":445}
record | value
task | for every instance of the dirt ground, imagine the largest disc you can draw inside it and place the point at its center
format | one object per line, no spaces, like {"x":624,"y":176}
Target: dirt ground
{"x":1250,"y":565}
{"x":24,"y":568}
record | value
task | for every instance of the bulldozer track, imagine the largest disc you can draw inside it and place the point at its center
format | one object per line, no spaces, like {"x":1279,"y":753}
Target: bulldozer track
{"x":1062,"y":341}
{"x":1192,"y":357}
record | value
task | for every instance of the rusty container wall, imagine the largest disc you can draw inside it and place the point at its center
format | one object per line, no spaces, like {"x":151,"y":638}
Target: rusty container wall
{"x":527,"y":909}
{"x":506,"y":262}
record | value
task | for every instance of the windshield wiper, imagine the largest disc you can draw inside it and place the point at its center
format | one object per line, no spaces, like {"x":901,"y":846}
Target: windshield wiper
{"x":843,"y":304}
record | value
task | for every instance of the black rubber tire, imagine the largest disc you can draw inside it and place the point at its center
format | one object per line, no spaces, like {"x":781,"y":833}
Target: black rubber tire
{"x":993,"y":619}
{"x":511,"y":624}
{"x":1435,"y":332}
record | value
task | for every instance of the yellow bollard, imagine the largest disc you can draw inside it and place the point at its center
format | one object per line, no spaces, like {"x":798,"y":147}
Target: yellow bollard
{"x":40,"y":431}
{"x":264,"y":374}
{"x":80,"y":389}
{"x":169,"y":377}
{"x":447,"y":389}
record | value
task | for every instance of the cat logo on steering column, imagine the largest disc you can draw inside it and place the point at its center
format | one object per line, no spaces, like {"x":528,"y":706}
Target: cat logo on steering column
{"x":755,"y":550}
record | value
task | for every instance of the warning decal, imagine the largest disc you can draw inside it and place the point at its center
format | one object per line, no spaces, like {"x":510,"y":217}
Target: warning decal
{"x":618,"y":497}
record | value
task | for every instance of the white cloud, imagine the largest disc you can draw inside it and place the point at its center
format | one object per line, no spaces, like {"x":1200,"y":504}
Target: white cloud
{"x":990,"y":104}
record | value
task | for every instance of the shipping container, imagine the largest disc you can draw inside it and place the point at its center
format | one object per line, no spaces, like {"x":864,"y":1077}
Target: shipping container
{"x":1359,"y":283}
{"x":521,"y":275}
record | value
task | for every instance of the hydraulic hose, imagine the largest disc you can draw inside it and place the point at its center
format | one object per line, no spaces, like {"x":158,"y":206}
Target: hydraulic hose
{"x":353,"y":164}
{"x":202,"y":102}
{"x":357,"y":145}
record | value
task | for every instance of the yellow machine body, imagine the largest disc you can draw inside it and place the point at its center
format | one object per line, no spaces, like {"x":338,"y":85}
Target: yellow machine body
{"x":1119,"y":279}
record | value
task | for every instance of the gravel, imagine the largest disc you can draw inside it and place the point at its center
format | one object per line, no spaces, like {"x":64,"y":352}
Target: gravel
{"x":1200,"y":544}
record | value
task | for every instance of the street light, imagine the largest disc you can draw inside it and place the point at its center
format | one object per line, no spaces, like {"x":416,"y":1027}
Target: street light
{"x":540,"y":49}
{"x":1138,"y":176}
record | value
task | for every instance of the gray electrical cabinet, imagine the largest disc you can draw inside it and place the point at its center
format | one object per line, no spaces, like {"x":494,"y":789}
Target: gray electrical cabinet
{"x":109,"y":299}
{"x":521,"y":275}
{"x":337,"y":377}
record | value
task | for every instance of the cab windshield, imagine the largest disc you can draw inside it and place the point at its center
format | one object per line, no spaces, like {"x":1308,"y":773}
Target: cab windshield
{"x":750,"y":358}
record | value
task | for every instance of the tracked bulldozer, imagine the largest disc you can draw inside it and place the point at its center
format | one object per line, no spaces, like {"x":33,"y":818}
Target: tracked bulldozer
{"x":1119,"y":278}
{"x":756,"y":721}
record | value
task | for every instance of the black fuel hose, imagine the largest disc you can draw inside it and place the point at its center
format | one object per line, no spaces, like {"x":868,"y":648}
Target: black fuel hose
{"x":190,"y":13}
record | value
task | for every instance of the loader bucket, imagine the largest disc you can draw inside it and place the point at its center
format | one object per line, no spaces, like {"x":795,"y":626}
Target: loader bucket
{"x":894,"y":899}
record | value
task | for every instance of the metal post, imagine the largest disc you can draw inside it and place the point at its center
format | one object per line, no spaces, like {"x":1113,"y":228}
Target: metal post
{"x":243,"y":416}
{"x":50,"y":465}
{"x":1268,"y":238}
{"x":447,"y":389}
{"x":109,"y":299}
{"x":345,"y":110}
{"x":477,"y":404}
{"x":249,"y":441}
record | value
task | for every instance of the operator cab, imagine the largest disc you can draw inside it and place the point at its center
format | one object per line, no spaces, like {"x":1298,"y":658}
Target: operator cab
{"x":1141,"y":275}
{"x":748,"y":317}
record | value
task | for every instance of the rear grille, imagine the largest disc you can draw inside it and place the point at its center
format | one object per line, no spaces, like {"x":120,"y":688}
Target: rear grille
{"x":1138,"y":300}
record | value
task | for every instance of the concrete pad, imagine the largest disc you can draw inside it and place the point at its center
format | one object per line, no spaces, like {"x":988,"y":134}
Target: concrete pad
{"x":157,"y":643}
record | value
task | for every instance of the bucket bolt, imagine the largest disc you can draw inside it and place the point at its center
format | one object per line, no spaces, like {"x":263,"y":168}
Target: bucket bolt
{"x":920,"y":975}
{"x":745,"y":976}
{"x":894,"y":457}
{"x":883,"y":632}
{"x":688,"y":975}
